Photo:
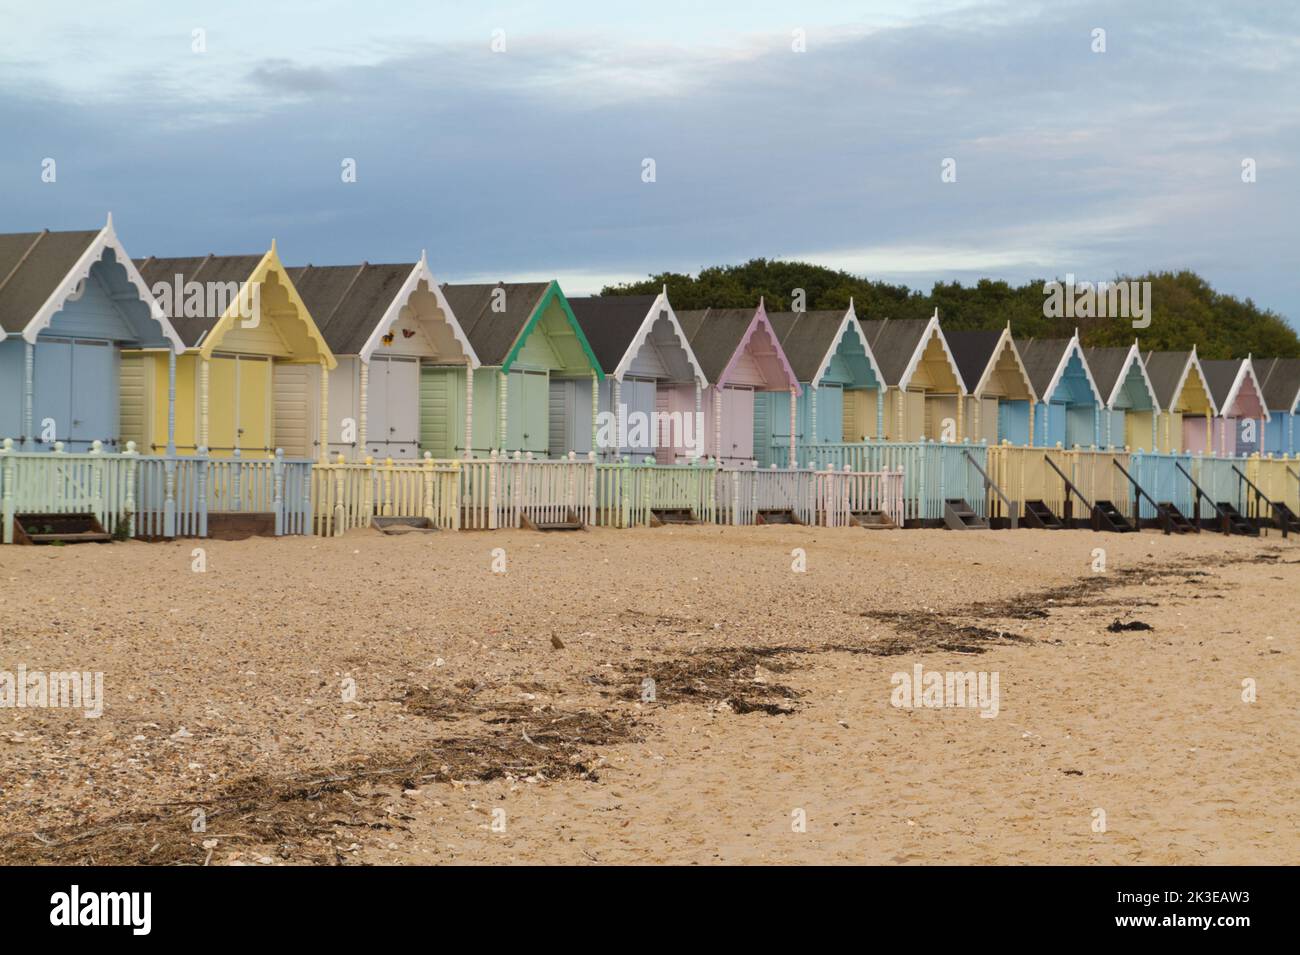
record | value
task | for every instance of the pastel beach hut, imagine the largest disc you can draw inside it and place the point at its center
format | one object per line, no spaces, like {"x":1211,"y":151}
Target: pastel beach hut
{"x":741,"y":357}
{"x":534,"y":388}
{"x":1130,"y":409}
{"x":1183,"y":396}
{"x":924,"y":389}
{"x":252,"y":354}
{"x":652,"y":396}
{"x":1000,"y":397}
{"x":1281,"y":383}
{"x":1069,"y":401}
{"x":70,"y":302}
{"x":841,"y":397}
{"x":400,"y":388}
{"x":1239,"y":426}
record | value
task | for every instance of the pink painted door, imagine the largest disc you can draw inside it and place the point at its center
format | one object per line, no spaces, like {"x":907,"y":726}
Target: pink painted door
{"x":737,"y":425}
{"x":1194,"y":434}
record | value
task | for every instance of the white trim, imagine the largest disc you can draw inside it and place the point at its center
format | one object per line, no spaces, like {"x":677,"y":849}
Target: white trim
{"x":1247,"y":367}
{"x":1005,"y":337}
{"x":394,"y":311}
{"x":1133,"y":353}
{"x":107,"y":239}
{"x":1073,"y":346}
{"x":660,"y":304}
{"x":932,"y":327}
{"x":850,"y":320}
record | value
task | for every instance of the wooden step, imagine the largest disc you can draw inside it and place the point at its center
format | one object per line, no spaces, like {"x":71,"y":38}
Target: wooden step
{"x":402,"y":525}
{"x":872,"y":520}
{"x":958,"y":515}
{"x":59,"y":529}
{"x":672,"y":515}
{"x":1038,"y":514}
{"x":776,"y":516}
{"x":1107,"y":517}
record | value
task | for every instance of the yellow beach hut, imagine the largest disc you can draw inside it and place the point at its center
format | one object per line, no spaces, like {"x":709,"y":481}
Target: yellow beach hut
{"x":241,"y":382}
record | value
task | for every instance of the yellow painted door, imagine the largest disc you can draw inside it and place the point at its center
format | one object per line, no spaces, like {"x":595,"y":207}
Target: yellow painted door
{"x":223,"y":402}
{"x":253,"y":426}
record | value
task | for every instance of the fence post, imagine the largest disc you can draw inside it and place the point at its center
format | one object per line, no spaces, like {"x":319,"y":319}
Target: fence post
{"x":7,"y":462}
{"x":128,"y":504}
{"x":426,"y":477}
{"x":201,"y":503}
{"x":340,"y":509}
{"x":237,"y":481}
{"x":493,"y":479}
{"x":277,"y":468}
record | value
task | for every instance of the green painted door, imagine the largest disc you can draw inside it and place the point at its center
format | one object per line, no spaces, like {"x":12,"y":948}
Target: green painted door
{"x":527,"y":397}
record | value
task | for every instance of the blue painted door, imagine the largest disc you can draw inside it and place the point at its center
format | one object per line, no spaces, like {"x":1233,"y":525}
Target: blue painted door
{"x":94,"y":398}
{"x":11,"y":388}
{"x":1013,"y":422}
{"x":52,"y":393}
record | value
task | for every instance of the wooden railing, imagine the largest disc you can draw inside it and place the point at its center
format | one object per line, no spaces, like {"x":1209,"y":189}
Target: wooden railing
{"x":347,"y":494}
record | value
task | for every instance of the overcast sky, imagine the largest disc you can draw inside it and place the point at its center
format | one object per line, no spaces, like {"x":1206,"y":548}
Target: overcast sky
{"x":527,"y":163}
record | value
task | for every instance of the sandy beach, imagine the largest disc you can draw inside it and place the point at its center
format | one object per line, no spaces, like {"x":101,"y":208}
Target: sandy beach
{"x":393,"y":699}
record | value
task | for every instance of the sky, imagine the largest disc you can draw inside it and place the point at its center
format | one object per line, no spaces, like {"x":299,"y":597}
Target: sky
{"x":510,"y":140}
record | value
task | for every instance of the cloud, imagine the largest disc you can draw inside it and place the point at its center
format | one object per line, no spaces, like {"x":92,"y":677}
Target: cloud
{"x":528,"y":162}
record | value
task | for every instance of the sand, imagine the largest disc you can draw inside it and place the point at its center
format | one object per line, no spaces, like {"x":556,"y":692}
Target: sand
{"x":497,"y":718}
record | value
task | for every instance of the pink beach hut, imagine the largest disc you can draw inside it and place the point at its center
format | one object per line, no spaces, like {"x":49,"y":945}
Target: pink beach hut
{"x":1239,"y":427}
{"x":740,"y":355}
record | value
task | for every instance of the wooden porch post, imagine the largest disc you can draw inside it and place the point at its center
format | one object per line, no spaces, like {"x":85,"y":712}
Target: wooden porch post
{"x":901,"y":397}
{"x":699,"y":415}
{"x":794,"y":401}
{"x":501,"y":409}
{"x":325,"y":412}
{"x":469,"y":410}
{"x":1033,"y":402}
{"x":29,"y":394}
{"x":880,"y":411}
{"x":595,"y":409}
{"x":717,"y":421}
{"x":363,"y":426}
{"x":616,"y":393}
{"x":812,"y":411}
{"x":171,"y":403}
{"x":205,"y":368}
{"x":961,"y":416}
{"x":979,"y":415}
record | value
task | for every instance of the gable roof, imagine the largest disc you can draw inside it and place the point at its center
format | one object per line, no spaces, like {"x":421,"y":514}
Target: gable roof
{"x":1168,"y":370}
{"x":1226,"y":377}
{"x":1110,"y":370}
{"x":717,"y":334}
{"x":205,"y":331}
{"x":355,"y":305}
{"x":617,"y":326}
{"x":810,"y":340}
{"x":194,"y":329}
{"x":1281,"y":383}
{"x":976,"y":353}
{"x":40,"y":271}
{"x":1046,"y":360}
{"x":899,"y":343}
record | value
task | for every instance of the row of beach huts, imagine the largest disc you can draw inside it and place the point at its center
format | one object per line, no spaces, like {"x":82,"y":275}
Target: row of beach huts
{"x":234,"y":394}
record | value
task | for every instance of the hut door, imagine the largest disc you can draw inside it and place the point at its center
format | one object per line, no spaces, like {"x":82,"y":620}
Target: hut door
{"x":738,"y":424}
{"x":94,"y":403}
{"x":395,"y":388}
{"x":527,"y":401}
{"x":52,"y":404}
{"x":253,"y":385}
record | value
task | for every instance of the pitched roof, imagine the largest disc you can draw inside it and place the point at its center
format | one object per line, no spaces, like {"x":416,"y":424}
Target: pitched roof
{"x":1042,"y":357}
{"x":972,"y":350}
{"x":206,"y":268}
{"x":493,"y":334}
{"x":611,"y":323}
{"x":894,"y":342}
{"x":348,"y":301}
{"x":806,"y":337}
{"x":1280,"y":378}
{"x":32,"y":267}
{"x":714,"y":335}
{"x":1220,"y":375}
{"x":1165,"y":369}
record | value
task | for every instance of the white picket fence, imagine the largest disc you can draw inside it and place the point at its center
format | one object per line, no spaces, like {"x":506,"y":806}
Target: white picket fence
{"x":827,"y":497}
{"x":348,"y":494}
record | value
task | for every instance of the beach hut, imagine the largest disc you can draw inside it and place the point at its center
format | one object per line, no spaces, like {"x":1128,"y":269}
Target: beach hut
{"x":399,"y":347}
{"x":69,"y":303}
{"x":652,"y":393}
{"x":1000,"y":397}
{"x":1183,"y":396}
{"x":1128,"y":418}
{"x":924,"y":390}
{"x":242,"y":382}
{"x":1069,"y":401}
{"x":1281,"y":382}
{"x":741,"y":357}
{"x":841,"y":388}
{"x":538,"y":371}
{"x":1236,"y":390}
